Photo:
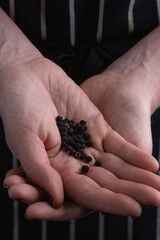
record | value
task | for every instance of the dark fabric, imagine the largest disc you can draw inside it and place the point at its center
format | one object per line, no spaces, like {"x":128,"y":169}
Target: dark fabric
{"x":5,"y":202}
{"x":115,"y":227}
{"x":27,"y":17}
{"x":57,"y":21}
{"x":86,"y":13}
{"x":5,"y":5}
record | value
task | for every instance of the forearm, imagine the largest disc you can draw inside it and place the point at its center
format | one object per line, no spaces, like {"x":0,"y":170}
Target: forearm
{"x":14,"y":45}
{"x":141,"y":65}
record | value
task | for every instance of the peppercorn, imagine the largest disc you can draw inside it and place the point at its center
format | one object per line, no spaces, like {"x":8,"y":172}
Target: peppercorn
{"x":88,"y":158}
{"x":71,"y":122}
{"x":59,"y":118}
{"x":82,"y":155}
{"x":77,"y":155}
{"x":82,"y":122}
{"x":77,"y":145}
{"x":72,"y":151}
{"x":63,"y":129}
{"x":86,"y":136}
{"x":59,"y":124}
{"x":81,"y":140}
{"x":83,"y":145}
{"x":83,"y":128}
{"x":85,"y":168}
{"x":97,"y":163}
{"x":89,"y":144}
{"x":63,"y":134}
{"x":66,"y":120}
{"x":74,"y":138}
{"x":65,"y":139}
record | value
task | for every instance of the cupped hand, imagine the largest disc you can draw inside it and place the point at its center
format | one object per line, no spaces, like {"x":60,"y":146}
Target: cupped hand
{"x":124,"y":103}
{"x":32,"y":95}
{"x":21,"y":188}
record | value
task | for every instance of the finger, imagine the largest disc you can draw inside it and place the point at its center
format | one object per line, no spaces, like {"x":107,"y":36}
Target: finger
{"x":15,"y":179}
{"x":16,"y":171}
{"x":34,"y":159}
{"x":44,"y":211}
{"x":129,"y":172}
{"x":140,"y":192}
{"x":117,"y":145}
{"x":26,"y":193}
{"x":89,"y":194}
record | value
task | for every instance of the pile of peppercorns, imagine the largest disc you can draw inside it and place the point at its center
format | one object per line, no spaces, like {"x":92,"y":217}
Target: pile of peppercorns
{"x":75,"y":139}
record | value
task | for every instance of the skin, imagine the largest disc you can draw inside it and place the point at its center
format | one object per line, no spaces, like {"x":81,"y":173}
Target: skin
{"x":33,"y":91}
{"x":40,"y":85}
{"x":124,"y":105}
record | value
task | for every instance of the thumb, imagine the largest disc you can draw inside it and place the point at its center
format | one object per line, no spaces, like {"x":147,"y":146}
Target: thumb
{"x":31,"y":152}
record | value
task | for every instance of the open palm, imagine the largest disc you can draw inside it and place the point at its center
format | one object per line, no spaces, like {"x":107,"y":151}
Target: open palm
{"x":38,"y":92}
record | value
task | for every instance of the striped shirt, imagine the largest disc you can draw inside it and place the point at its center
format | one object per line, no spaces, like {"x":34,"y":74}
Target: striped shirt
{"x":78,"y":34}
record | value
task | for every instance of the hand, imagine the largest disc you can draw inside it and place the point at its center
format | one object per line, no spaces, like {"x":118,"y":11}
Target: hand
{"x":124,"y":103}
{"x":127,"y":92}
{"x":33,"y":91}
{"x":21,"y":188}
{"x":38,"y":93}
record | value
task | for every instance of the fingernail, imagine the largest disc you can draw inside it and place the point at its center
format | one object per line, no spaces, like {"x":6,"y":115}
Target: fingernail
{"x":158,"y":172}
{"x":53,"y":204}
{"x":5,"y":186}
{"x":25,"y":215}
{"x":137,"y":216}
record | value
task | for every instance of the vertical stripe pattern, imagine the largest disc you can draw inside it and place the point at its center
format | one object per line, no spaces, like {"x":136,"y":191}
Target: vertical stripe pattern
{"x":158,"y":209}
{"x":72,"y":230}
{"x":130,"y":16}
{"x":72,"y":21}
{"x":15,"y":220}
{"x":12,"y":9}
{"x":130,"y":229}
{"x":15,"y":209}
{"x":100,"y":20}
{"x":101,"y":227}
{"x":44,"y":230}
{"x":43,"y":20}
{"x":158,"y":224}
{"x":158,"y":10}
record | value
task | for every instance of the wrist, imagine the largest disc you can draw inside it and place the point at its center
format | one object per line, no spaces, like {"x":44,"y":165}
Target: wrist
{"x":14,"y":45}
{"x":140,"y":67}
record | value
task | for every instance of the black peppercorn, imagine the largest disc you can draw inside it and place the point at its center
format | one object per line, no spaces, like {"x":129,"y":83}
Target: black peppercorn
{"x":66,"y":120}
{"x":82,"y":122}
{"x":88,"y":158}
{"x":83,"y":128}
{"x":59,"y":118}
{"x":86,"y":136}
{"x":77,"y":146}
{"x":97,"y":163}
{"x":89,"y":144}
{"x":82,"y":155}
{"x":83,"y":145}
{"x":72,"y":151}
{"x":65,"y":139}
{"x":74,"y":138}
{"x":85,"y":168}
